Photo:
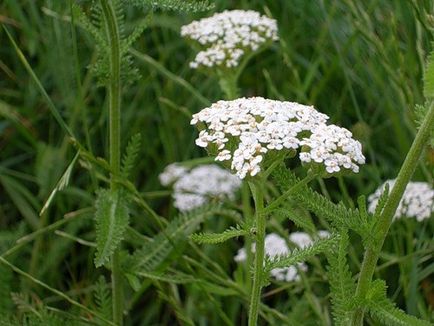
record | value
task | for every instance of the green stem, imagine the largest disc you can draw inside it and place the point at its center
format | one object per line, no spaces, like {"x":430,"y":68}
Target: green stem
{"x":114,"y":90}
{"x":385,"y":219}
{"x":247,"y":216}
{"x":255,"y":294}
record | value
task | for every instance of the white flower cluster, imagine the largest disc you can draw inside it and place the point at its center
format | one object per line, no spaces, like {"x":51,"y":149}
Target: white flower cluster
{"x":195,"y":187}
{"x":417,"y":201}
{"x":334,"y":147}
{"x":228,"y":36}
{"x":261,"y":125}
{"x":172,"y":173}
{"x":276,"y":246}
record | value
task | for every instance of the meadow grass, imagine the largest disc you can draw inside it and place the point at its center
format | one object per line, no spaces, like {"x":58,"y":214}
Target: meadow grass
{"x":361,"y":63}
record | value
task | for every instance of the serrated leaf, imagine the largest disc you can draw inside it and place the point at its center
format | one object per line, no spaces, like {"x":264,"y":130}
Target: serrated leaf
{"x":338,"y":214}
{"x":154,"y":252}
{"x":130,"y":156}
{"x":111,"y":219}
{"x":214,"y":238}
{"x":175,"y":5}
{"x":102,"y":297}
{"x":385,"y":311}
{"x":300,"y":255}
{"x":341,"y":281}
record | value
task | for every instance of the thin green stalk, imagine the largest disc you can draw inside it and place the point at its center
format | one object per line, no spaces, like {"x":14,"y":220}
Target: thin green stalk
{"x":408,"y":167}
{"x":114,"y":90}
{"x":258,"y":271}
{"x":247,"y":216}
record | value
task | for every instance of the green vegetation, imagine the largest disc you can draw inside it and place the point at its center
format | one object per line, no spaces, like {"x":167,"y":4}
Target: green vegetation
{"x":96,"y":99}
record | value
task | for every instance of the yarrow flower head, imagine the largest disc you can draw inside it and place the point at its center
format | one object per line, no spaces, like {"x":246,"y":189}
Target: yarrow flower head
{"x":196,"y":187}
{"x":417,"y":201}
{"x":229,"y":36}
{"x":244,"y":130}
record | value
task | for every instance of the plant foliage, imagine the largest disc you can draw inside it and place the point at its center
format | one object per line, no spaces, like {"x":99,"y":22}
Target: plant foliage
{"x":174,"y":5}
{"x":154,"y":252}
{"x":95,"y":25}
{"x":111,"y":218}
{"x":214,"y":238}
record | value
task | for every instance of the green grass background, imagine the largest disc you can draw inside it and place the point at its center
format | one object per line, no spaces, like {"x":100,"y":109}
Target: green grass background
{"x":360,"y":62}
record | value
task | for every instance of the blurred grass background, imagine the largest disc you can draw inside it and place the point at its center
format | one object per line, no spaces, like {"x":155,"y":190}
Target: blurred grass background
{"x":359,"y":62}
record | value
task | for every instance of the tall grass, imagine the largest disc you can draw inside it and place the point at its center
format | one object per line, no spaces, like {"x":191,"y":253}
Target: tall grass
{"x":361,"y":63}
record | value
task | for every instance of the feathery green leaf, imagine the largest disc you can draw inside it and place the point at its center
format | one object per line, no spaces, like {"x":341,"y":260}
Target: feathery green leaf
{"x":153,"y":253}
{"x":385,"y":311}
{"x":338,"y":214}
{"x":130,"y":156}
{"x":214,"y":238}
{"x":342,"y":285}
{"x":111,"y":219}
{"x":299,"y":255}
{"x":102,"y":297}
{"x":174,"y":5}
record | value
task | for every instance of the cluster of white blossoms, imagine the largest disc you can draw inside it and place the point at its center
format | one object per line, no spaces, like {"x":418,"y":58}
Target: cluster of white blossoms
{"x":276,"y":246}
{"x":171,"y":173}
{"x":194,"y":188}
{"x":417,"y":201}
{"x":334,"y":147}
{"x":257,"y":126}
{"x":228,"y":36}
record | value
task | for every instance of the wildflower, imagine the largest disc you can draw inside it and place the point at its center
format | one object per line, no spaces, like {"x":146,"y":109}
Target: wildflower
{"x":417,"y":201}
{"x":244,"y":130}
{"x":172,"y":173}
{"x":195,"y":187}
{"x":229,"y":36}
{"x":301,"y":239}
{"x":334,"y":147}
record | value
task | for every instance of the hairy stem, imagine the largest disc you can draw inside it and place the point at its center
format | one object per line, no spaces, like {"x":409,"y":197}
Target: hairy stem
{"x":255,"y":294}
{"x":114,"y":90}
{"x":385,"y":219}
{"x":248,"y":217}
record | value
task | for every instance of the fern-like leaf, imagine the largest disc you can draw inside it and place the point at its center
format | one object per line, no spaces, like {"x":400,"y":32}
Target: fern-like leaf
{"x":130,"y":156}
{"x":111,"y":219}
{"x":342,"y":285}
{"x":174,"y":5}
{"x":300,"y":255}
{"x":385,"y":311}
{"x":153,"y":253}
{"x":338,"y":214}
{"x":96,"y":27}
{"x":102,"y":298}
{"x":214,"y":238}
{"x":302,"y":221}
{"x":135,"y":34}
